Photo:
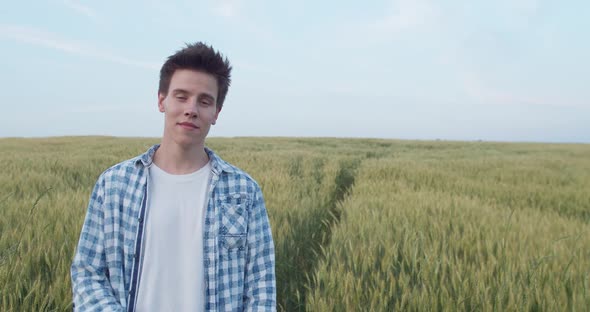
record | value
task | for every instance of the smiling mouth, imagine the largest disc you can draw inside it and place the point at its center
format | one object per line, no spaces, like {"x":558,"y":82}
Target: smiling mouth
{"x":188,"y":125}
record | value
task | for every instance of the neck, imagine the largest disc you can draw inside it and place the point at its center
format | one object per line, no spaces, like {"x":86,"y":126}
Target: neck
{"x":176,"y":159}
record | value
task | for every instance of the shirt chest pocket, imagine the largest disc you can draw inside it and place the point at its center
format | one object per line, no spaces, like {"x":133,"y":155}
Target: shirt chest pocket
{"x":234,"y":216}
{"x":233,"y":226}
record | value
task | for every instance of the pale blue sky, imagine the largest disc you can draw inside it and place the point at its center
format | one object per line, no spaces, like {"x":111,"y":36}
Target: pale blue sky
{"x":507,"y":70}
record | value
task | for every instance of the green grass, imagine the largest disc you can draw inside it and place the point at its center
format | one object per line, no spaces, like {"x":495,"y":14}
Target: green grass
{"x":359,"y":225}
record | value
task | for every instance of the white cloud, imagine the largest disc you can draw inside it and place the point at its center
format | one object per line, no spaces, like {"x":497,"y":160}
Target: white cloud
{"x":50,"y":40}
{"x":400,"y":17}
{"x":227,"y":8}
{"x":404,"y":15}
{"x":481,"y":91}
{"x":524,"y":8}
{"x":80,"y":8}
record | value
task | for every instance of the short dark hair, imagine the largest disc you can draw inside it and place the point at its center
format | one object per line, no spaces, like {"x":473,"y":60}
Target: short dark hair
{"x":201,"y":57}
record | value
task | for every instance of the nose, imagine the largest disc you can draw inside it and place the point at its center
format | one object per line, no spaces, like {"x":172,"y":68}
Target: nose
{"x":191,"y":114}
{"x":191,"y":111}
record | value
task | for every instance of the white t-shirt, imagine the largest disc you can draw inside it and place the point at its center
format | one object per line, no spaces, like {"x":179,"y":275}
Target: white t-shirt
{"x":172,"y":277}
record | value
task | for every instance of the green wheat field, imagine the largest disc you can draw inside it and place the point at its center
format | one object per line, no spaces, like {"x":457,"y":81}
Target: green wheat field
{"x":358,"y":224}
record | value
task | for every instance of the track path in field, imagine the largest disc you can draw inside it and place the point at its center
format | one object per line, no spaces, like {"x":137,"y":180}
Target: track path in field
{"x":344,"y":182}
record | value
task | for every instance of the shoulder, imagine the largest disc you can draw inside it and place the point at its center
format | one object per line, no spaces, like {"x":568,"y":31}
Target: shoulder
{"x":126,"y":171}
{"x":231,"y":178}
{"x":236,"y":174}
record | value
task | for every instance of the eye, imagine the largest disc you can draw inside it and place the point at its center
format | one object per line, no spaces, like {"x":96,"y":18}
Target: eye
{"x":181,"y":97}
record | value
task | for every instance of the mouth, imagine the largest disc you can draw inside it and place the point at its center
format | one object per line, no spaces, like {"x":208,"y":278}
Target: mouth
{"x":188,"y":125}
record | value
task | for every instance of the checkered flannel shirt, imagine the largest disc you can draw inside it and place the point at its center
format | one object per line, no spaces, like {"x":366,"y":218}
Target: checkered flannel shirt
{"x":238,"y":250}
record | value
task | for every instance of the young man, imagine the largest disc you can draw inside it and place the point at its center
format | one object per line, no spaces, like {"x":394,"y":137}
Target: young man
{"x":177,"y":228}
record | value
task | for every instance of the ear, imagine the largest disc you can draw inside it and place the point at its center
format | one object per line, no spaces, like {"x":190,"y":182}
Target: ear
{"x":216,"y":115}
{"x":161,"y":106}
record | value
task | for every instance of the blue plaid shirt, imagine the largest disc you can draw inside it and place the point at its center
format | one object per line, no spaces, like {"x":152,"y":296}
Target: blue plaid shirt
{"x":238,"y":250}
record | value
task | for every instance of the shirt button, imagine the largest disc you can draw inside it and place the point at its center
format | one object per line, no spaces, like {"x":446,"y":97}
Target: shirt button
{"x":224,"y":230}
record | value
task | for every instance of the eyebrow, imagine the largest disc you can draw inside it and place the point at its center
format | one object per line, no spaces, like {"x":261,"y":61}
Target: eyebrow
{"x":179,"y":91}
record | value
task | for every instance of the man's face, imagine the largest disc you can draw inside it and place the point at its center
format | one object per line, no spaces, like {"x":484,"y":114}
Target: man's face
{"x":189,"y":107}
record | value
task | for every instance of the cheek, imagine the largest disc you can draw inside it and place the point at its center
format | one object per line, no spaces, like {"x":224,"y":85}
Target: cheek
{"x":172,"y":110}
{"x":170,"y":114}
{"x":209,"y":115}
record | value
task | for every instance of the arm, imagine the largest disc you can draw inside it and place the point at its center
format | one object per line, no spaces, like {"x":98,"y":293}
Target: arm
{"x":260,"y":284}
{"x":91,"y":288}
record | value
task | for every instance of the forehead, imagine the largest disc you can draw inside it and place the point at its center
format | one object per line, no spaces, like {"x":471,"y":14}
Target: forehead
{"x":193,"y":81}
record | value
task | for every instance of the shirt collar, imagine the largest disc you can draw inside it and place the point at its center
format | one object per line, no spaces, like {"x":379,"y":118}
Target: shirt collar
{"x":218,"y":165}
